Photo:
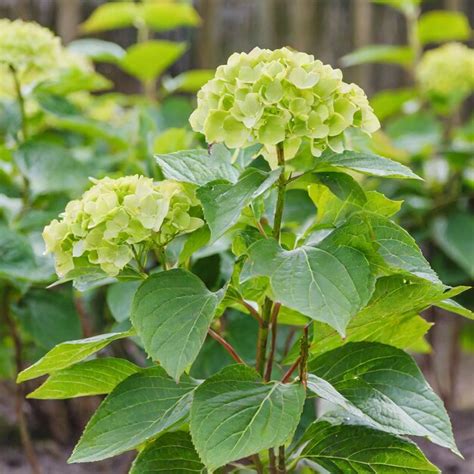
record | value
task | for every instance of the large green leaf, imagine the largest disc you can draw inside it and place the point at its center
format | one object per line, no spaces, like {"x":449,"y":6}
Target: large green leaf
{"x":234,"y":415}
{"x":139,"y":408}
{"x":198,"y":166}
{"x":389,"y":102}
{"x":69,"y":353}
{"x":390,"y":317}
{"x":49,"y":317}
{"x":342,"y":449}
{"x":367,"y":163}
{"x":93,"y":377}
{"x":147,"y":60}
{"x":438,"y":25}
{"x":329,"y":285}
{"x":453,"y":234}
{"x":379,"y":53}
{"x":172,"y":312}
{"x":383,"y":386}
{"x":172,"y":452}
{"x":51,"y":168}
{"x":223,"y":202}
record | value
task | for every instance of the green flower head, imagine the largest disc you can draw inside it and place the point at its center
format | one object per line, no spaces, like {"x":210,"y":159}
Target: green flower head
{"x":446,"y":75}
{"x":118,"y":219}
{"x":282,"y":96}
{"x":31,"y":50}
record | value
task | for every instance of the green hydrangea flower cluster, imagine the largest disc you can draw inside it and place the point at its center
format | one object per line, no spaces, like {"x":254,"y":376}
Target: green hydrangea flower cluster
{"x":33,"y":51}
{"x":282,"y":96}
{"x":118,"y":219}
{"x":446,"y":74}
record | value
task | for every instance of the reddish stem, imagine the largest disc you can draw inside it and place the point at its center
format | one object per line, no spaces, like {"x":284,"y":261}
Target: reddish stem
{"x":290,"y":371}
{"x":226,"y":346}
{"x":274,"y":328}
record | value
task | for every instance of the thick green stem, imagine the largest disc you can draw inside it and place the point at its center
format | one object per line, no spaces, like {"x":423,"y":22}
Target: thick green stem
{"x":21,"y":103}
{"x":268,"y":303}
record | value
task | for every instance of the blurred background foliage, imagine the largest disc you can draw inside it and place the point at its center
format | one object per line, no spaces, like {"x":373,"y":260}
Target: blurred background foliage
{"x":126,"y":95}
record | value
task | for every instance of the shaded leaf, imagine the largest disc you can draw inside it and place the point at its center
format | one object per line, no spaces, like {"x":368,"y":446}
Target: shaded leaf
{"x":379,"y":53}
{"x":172,"y":452}
{"x":97,"y":49}
{"x":120,"y":297}
{"x":223,"y":202}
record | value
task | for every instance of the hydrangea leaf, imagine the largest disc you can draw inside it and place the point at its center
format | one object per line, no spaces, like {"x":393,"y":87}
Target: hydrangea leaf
{"x":147,"y":60}
{"x":330,"y":284}
{"x":92,"y":377}
{"x":223,"y":202}
{"x":438,"y":26}
{"x":366,"y":163}
{"x":198,"y":166}
{"x":234,"y":415}
{"x":383,"y":386}
{"x":171,"y":452}
{"x":172,"y":312}
{"x":360,"y":449}
{"x":138,"y":409}
{"x":68,"y":353}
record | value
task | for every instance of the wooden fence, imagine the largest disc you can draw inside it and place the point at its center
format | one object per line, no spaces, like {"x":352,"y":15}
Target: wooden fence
{"x":327,"y":28}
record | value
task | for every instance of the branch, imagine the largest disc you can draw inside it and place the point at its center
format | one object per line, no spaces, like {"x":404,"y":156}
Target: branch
{"x":226,"y":346}
{"x":290,"y":371}
{"x":253,"y":312}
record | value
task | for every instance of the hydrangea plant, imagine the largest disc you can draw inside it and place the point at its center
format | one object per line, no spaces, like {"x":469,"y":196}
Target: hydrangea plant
{"x":282,"y":96}
{"x":32,"y":51}
{"x":446,"y":74}
{"x":118,"y":220}
{"x":319,"y":302}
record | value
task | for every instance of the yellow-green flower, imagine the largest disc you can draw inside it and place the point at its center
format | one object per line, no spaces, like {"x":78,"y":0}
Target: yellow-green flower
{"x":446,"y":74}
{"x":118,"y":219}
{"x":282,"y":96}
{"x":31,"y":50}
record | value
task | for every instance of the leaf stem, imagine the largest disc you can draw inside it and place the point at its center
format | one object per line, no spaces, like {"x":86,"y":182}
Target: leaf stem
{"x":281,"y":460}
{"x":21,"y":102}
{"x":233,"y":353}
{"x":253,"y":312}
{"x":304,"y":356}
{"x":290,"y":371}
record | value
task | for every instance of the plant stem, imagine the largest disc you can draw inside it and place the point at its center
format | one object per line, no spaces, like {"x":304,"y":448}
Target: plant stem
{"x":268,"y":303}
{"x":273,"y":327}
{"x":281,"y":460}
{"x":19,"y":395}
{"x":281,"y":194}
{"x":290,"y":371}
{"x":226,"y":346}
{"x":272,"y":461}
{"x":253,"y":312}
{"x":304,"y":357}
{"x":21,"y":103}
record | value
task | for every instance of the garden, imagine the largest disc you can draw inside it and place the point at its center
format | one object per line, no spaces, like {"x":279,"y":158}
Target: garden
{"x":236,"y":237}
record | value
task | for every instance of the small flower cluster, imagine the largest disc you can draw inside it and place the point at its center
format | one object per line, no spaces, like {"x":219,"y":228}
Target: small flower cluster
{"x":118,"y":219}
{"x":31,"y":50}
{"x":282,"y":96}
{"x":446,"y":74}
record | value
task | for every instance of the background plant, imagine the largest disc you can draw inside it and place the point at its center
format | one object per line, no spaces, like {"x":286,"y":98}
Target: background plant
{"x":428,"y":124}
